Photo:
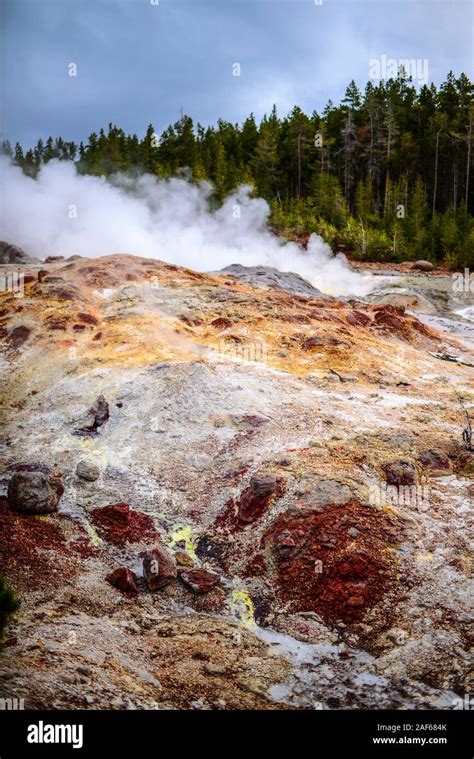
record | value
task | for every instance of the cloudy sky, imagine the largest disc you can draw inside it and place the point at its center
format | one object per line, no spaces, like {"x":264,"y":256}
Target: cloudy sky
{"x":142,"y":61}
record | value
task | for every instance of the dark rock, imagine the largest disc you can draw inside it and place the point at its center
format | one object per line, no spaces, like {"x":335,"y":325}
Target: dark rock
{"x":200,"y":580}
{"x":53,"y":259}
{"x":12,"y":254}
{"x":401,"y":472}
{"x":34,"y":492}
{"x":123,"y":579}
{"x":423,"y":266}
{"x":159,"y":568}
{"x":358,"y":319}
{"x":61,"y":292}
{"x":257,"y":497}
{"x":42,"y":274}
{"x":97,"y":415}
{"x":221,"y":323}
{"x":19,"y":335}
{"x":435,"y":461}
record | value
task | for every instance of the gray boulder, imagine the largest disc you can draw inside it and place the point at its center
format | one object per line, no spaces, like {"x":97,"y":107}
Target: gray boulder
{"x":267,"y":277}
{"x":34,"y":492}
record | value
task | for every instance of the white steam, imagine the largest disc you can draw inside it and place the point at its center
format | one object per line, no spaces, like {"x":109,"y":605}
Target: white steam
{"x":64,"y":213}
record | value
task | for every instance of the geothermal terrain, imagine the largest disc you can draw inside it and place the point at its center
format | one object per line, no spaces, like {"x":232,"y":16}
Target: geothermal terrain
{"x":229,"y":491}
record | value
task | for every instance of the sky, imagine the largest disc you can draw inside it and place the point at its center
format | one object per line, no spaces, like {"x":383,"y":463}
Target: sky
{"x":146,"y":61}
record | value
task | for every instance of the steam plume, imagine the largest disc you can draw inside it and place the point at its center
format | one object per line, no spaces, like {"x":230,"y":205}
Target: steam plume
{"x":64,"y":213}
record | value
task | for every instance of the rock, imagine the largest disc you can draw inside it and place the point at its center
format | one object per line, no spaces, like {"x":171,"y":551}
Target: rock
{"x":465,"y":464}
{"x":409,"y":299}
{"x":119,"y":524}
{"x":401,"y":472}
{"x":123,"y":579}
{"x":222,"y":323}
{"x":18,"y":336}
{"x":116,"y":516}
{"x":256,"y":497}
{"x":358,"y":319}
{"x":53,"y":259}
{"x":159,"y":568}
{"x":184,"y":559}
{"x":87,"y":470}
{"x":12,"y":254}
{"x":435,"y":462}
{"x":423,"y":266}
{"x":97,"y":415}
{"x":269,"y":277}
{"x":200,"y":580}
{"x":325,"y":492}
{"x":34,"y":492}
{"x":319,"y":341}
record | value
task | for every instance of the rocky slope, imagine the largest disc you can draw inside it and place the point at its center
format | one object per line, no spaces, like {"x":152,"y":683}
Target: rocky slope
{"x":298,"y":459}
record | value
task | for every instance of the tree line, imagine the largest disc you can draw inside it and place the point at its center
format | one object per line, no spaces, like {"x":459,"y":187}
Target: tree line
{"x":385,"y":175}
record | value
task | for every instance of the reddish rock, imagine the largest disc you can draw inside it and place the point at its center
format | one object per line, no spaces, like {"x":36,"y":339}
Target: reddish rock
{"x":390,"y":321}
{"x":358,"y":319}
{"x":257,"y":497}
{"x":401,"y":472}
{"x":320,"y":567}
{"x":200,"y":580}
{"x":34,"y":492}
{"x":221,"y":323}
{"x":19,"y":335}
{"x":123,"y":579}
{"x":87,"y":318}
{"x":159,"y":568}
{"x":435,"y":461}
{"x":119,"y":524}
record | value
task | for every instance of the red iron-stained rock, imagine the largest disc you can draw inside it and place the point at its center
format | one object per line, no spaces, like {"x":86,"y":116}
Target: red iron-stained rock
{"x":123,"y":579}
{"x":159,"y":568}
{"x":358,"y":319}
{"x":200,"y":580}
{"x":320,"y":567}
{"x":120,"y":524}
{"x":257,"y":497}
